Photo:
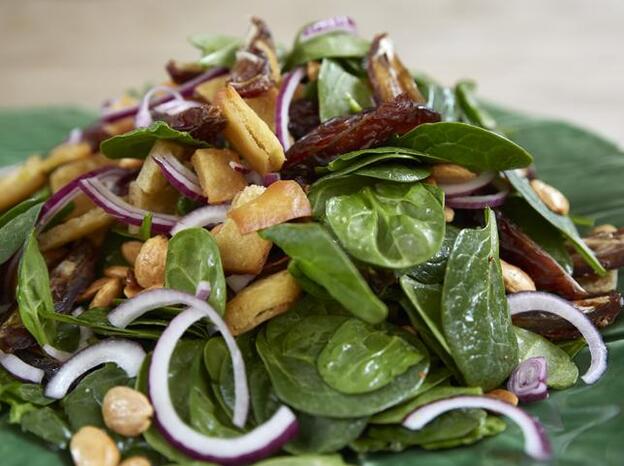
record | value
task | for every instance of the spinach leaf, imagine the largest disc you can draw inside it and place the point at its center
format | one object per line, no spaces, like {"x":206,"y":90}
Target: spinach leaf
{"x":290,"y":346}
{"x":38,"y":198}
{"x":328,"y":187}
{"x":394,"y":171}
{"x":318,"y":434}
{"x":336,"y":90}
{"x":83,"y":406}
{"x":490,"y":427}
{"x":21,"y":398}
{"x":471,"y":108}
{"x":389,"y":225}
{"x":137,"y":143}
{"x":360,"y":358}
{"x":309,"y":286}
{"x":193,"y":256}
{"x":47,"y":424}
{"x":352,"y":161}
{"x":304,"y":460}
{"x":475,"y":314}
{"x":439,"y":98}
{"x":562,"y":223}
{"x":466,"y":145}
{"x":15,"y":225}
{"x":217,"y":50}
{"x":320,"y":258}
{"x":332,"y":45}
{"x":432,"y":271}
{"x":562,"y":372}
{"x":539,"y":229}
{"x":33,"y":293}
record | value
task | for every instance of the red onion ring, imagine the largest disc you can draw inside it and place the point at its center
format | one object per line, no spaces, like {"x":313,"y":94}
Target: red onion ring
{"x":85,"y":332}
{"x":143,"y":116}
{"x":125,"y":353}
{"x":527,"y":301}
{"x":74,"y":136}
{"x":239,"y":167}
{"x":185,"y":90}
{"x":203,"y":290}
{"x":204,"y":216}
{"x":19,"y":369}
{"x":238,"y":282}
{"x":249,"y":447}
{"x":528,"y":380}
{"x":287,"y":89}
{"x":56,"y":353}
{"x":120,"y":209}
{"x":536,"y":443}
{"x":468,"y":187}
{"x":477,"y":202}
{"x":325,"y":26}
{"x":270,"y":178}
{"x":180,"y":177}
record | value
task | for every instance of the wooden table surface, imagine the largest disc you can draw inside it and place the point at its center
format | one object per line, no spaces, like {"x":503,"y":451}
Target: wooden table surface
{"x":553,"y":57}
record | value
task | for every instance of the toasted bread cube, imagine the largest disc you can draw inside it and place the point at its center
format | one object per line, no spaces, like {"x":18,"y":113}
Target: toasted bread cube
{"x":21,"y":182}
{"x":66,"y":153}
{"x":68,"y":172}
{"x":91,"y":222}
{"x":219,"y":181}
{"x":261,"y":301}
{"x":163,"y":201}
{"x":206,"y":91}
{"x":150,"y":178}
{"x":265,"y":105}
{"x":282,"y":201}
{"x":249,"y":134}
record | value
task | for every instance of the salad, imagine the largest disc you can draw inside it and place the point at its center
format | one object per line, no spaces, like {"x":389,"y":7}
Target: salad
{"x":294,"y":256}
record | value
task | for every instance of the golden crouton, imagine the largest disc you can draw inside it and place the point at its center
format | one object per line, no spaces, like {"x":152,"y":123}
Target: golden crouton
{"x":21,"y":182}
{"x":74,"y":229}
{"x":219,"y":181}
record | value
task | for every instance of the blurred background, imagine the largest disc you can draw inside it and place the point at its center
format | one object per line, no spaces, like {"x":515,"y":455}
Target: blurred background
{"x":553,"y":57}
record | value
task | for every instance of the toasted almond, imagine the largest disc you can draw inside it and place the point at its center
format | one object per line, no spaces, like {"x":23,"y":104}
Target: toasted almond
{"x":249,"y":134}
{"x":117,"y":271}
{"x":503,"y":395}
{"x":130,"y":251}
{"x":107,"y":293}
{"x":516,"y":279}
{"x":449,"y":214}
{"x":450,"y":173}
{"x":312,"y":70}
{"x":149,"y":267}
{"x":604,"y":229}
{"x":132,"y":287}
{"x":93,"y":288}
{"x":552,"y":197}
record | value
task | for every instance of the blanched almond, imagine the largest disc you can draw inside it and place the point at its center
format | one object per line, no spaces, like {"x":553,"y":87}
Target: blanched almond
{"x":450,"y":173}
{"x":282,"y":201}
{"x":219,"y":181}
{"x":552,"y":197}
{"x":516,"y":279}
{"x":149,"y":267}
{"x":116,"y":271}
{"x":449,"y":214}
{"x":249,"y":134}
{"x":260,"y":301}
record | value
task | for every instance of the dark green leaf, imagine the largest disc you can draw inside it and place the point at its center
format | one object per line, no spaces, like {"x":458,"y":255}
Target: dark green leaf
{"x":336,"y":90}
{"x":475,"y":314}
{"x":217,"y":50}
{"x":320,"y":258}
{"x":137,"y":143}
{"x":328,"y":187}
{"x":304,"y":460}
{"x":319,"y":434}
{"x":389,"y":225}
{"x":333,"y":45}
{"x":16,"y":224}
{"x":466,"y":145}
{"x":145,"y":230}
{"x":432,"y":271}
{"x":477,"y":115}
{"x":193,"y":256}
{"x":48,"y":425}
{"x":394,"y":171}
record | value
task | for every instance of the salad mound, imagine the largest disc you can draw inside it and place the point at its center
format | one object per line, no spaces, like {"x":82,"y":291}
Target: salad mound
{"x":314,"y":254}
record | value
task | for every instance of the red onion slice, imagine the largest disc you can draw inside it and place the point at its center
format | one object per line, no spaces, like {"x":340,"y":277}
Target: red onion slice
{"x":56,"y":353}
{"x":289,"y":84}
{"x":238,"y":282}
{"x":462,"y":189}
{"x":203,"y":290}
{"x":528,"y":301}
{"x":173,"y":107}
{"x":85,"y":332}
{"x":74,"y":136}
{"x":120,"y":209}
{"x":477,"y":202}
{"x":125,"y":353}
{"x":143,"y":117}
{"x":180,"y":177}
{"x":536,"y":443}
{"x":528,"y":380}
{"x":249,"y":447}
{"x":325,"y":26}
{"x":185,"y":90}
{"x":19,"y":369}
{"x":68,"y":193}
{"x":204,"y":216}
{"x":270,"y":178}
{"x":239,"y":167}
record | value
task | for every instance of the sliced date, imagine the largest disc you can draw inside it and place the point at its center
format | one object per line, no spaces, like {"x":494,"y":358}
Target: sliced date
{"x":608,"y":248}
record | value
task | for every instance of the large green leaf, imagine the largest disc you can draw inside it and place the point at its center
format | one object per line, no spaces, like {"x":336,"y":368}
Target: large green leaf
{"x":584,"y":423}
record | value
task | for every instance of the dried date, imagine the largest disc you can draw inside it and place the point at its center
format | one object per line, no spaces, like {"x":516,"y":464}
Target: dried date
{"x":180,"y":72}
{"x":303,"y":117}
{"x":72,"y":276}
{"x":204,"y":122}
{"x":608,"y":248}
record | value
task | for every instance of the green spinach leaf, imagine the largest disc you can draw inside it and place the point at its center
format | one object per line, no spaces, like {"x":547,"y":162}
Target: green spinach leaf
{"x":360,"y":358}
{"x":137,"y":143}
{"x":562,"y":372}
{"x":475,"y":314}
{"x":318,"y":434}
{"x":332,"y":45}
{"x":439,"y":98}
{"x":395,"y":172}
{"x":217,"y":50}
{"x":432,"y":271}
{"x":33,"y":293}
{"x":328,"y":187}
{"x":320,"y":258}
{"x":352,"y":161}
{"x":562,"y":223}
{"x":389,"y":225}
{"x":470,"y":106}
{"x":336,"y":90}
{"x":304,"y":460}
{"x":15,"y":225}
{"x":193,"y":256}
{"x":47,"y":424}
{"x":465,"y":145}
